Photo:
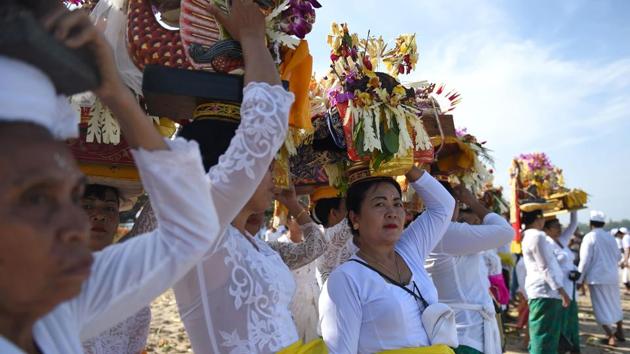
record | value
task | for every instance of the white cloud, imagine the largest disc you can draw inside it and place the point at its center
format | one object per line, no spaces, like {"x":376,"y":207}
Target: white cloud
{"x":518,"y":94}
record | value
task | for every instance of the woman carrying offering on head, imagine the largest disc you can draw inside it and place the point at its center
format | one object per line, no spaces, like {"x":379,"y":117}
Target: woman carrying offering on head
{"x":544,"y":283}
{"x":382,"y":299}
{"x":236,"y":300}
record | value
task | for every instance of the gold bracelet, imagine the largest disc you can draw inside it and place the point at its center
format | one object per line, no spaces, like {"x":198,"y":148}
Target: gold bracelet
{"x":300,"y":214}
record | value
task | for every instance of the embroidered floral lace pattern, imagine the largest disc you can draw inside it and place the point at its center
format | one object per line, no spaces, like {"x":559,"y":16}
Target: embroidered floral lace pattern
{"x":237,"y":299}
{"x":340,"y":248}
{"x":297,"y":255}
{"x":127,"y":337}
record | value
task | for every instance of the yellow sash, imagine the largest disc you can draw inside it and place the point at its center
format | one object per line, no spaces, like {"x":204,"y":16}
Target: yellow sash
{"x":434,"y":349}
{"x":316,"y":346}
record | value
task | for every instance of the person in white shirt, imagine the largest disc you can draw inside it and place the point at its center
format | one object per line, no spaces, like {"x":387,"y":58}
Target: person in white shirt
{"x":459,"y":272}
{"x":383,"y":298}
{"x":329,"y":210}
{"x":559,"y":241}
{"x":599,"y":259}
{"x":304,"y":305}
{"x":544,"y":284}
{"x":102,"y":204}
{"x":54,"y":292}
{"x":625,"y":246}
{"x":618,"y":236}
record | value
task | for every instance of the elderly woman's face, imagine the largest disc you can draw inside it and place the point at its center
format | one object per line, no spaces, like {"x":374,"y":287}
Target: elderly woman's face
{"x":44,"y":254}
{"x":382,"y":217}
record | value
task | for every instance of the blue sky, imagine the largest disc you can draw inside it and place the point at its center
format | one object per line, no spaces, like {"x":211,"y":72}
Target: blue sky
{"x":551,"y":76}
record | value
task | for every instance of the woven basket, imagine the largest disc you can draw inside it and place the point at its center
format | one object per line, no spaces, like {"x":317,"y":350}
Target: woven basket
{"x":432,"y":127}
{"x":150,"y":43}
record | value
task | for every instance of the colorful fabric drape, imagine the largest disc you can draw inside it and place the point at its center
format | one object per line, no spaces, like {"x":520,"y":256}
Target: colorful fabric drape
{"x":316,"y":346}
{"x":515,"y":211}
{"x":464,"y":349}
{"x":570,"y":333}
{"x":297,"y":69}
{"x":544,"y":325}
{"x":434,"y":349}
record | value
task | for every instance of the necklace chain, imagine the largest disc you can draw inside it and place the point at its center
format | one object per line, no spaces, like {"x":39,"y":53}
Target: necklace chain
{"x":370,"y":258}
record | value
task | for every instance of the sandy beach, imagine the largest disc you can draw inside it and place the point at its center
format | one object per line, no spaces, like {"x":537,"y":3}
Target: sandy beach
{"x":168,"y":335}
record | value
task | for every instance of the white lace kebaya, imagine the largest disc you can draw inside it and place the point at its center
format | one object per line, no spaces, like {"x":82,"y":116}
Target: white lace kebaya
{"x":127,"y":337}
{"x":339,"y":249}
{"x":237,"y":299}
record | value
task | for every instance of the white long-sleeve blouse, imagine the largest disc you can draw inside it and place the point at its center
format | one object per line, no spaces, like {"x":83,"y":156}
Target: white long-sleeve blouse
{"x":463,"y":278}
{"x":564,"y":255}
{"x":360,"y":312}
{"x":543,"y":274}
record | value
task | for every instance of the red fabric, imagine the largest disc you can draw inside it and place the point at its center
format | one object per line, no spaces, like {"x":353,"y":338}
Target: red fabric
{"x":518,"y":237}
{"x":353,"y":155}
{"x":95,"y":153}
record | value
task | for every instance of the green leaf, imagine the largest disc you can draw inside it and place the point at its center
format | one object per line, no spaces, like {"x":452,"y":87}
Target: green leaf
{"x":391,"y":141}
{"x":377,"y":160}
{"x":358,"y":142}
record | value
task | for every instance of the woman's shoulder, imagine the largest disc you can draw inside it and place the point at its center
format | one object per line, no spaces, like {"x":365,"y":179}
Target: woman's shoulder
{"x":352,"y":271}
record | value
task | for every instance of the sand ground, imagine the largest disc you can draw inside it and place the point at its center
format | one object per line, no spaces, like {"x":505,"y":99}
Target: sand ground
{"x":168,"y":335}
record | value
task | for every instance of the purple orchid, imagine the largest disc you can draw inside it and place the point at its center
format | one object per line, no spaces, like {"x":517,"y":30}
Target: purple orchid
{"x":298,"y":19}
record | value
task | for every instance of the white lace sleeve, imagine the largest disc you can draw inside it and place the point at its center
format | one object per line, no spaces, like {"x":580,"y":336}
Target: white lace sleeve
{"x":127,"y":337}
{"x":261,"y":133}
{"x":337,"y":251}
{"x":263,"y":127}
{"x":296,"y":255}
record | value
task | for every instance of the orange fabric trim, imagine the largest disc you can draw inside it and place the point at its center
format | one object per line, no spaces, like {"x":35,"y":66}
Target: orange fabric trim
{"x":326,"y":192}
{"x":111,"y":171}
{"x":297,"y":68}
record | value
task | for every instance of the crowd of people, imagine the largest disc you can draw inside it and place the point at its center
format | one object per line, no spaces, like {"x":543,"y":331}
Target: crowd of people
{"x":356,"y":271}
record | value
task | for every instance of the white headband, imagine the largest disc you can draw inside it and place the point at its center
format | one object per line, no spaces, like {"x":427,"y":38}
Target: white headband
{"x":28,"y":95}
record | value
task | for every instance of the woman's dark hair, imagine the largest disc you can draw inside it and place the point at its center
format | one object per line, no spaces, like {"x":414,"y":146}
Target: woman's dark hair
{"x":551,"y":222}
{"x":448,"y":188}
{"x":528,"y":218}
{"x":597,"y":224}
{"x":356,"y":195}
{"x":98,"y":191}
{"x":213,"y":137}
{"x":323,"y":207}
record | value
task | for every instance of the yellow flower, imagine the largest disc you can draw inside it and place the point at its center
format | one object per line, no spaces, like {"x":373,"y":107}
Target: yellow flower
{"x":399,"y":90}
{"x":363,"y":98}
